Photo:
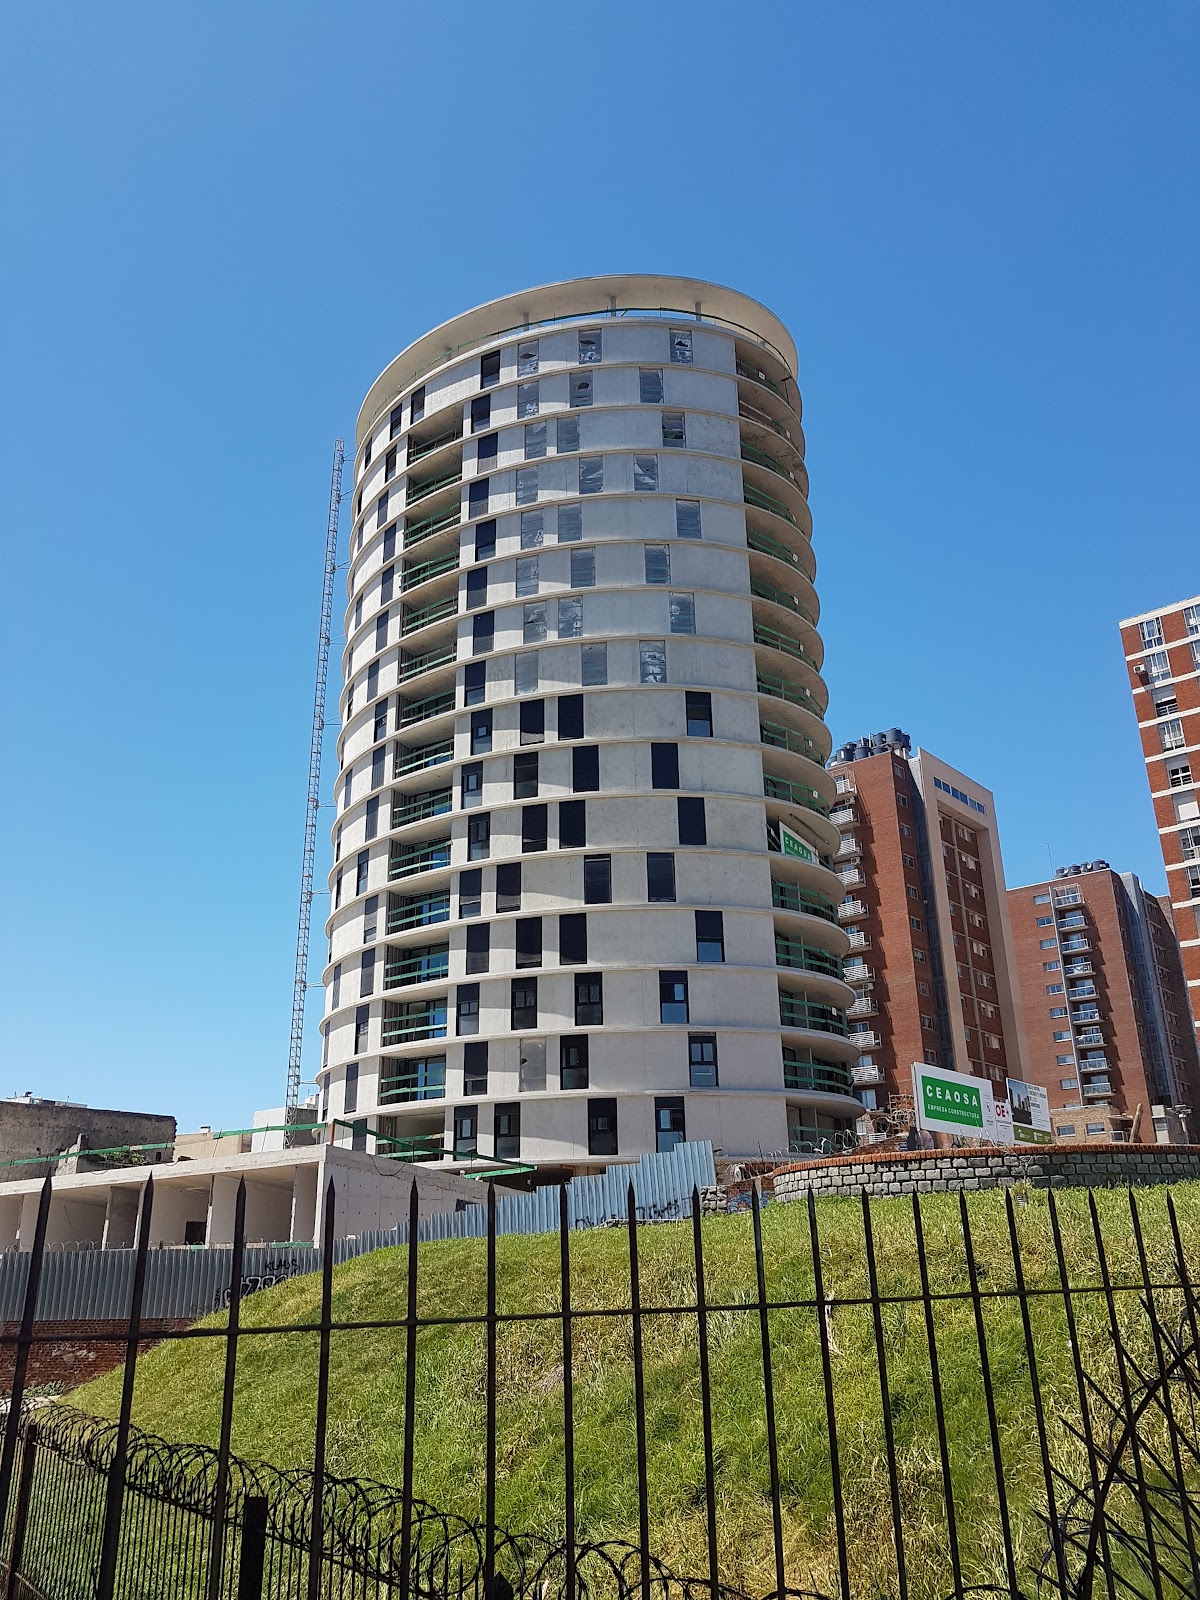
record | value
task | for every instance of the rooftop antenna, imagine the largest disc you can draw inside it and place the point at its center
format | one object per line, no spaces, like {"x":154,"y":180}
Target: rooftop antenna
{"x":300,"y":984}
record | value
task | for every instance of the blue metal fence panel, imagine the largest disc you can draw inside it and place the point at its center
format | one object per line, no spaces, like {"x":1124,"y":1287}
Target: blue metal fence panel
{"x":183,"y":1284}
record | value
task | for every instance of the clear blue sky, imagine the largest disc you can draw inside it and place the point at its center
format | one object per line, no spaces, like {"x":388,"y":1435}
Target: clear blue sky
{"x":222,"y":220}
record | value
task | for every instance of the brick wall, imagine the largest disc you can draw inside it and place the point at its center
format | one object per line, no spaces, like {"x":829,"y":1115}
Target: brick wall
{"x":71,"y":1359}
{"x":930,"y":1171}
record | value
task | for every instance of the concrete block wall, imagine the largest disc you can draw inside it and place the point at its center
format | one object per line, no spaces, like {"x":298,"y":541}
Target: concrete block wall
{"x":934,"y":1171}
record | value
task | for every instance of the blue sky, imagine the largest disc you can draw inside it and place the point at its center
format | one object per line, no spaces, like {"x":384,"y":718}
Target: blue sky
{"x":221,"y":221}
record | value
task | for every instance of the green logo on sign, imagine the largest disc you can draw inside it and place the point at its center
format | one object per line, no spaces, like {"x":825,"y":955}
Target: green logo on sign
{"x":950,"y":1102}
{"x":792,"y":846}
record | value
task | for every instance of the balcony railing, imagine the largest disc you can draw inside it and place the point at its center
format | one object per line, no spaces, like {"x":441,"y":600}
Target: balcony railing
{"x":796,"y":794}
{"x":781,"y":738}
{"x":863,"y":1008}
{"x":766,"y":546}
{"x":847,"y":847}
{"x":417,"y":807}
{"x":852,"y":877}
{"x":805,"y":957}
{"x":414,"y":666}
{"x":865,"y":1039}
{"x":778,"y":597}
{"x":767,"y":502}
{"x":424,"y":615}
{"x":421,"y":911}
{"x":423,"y":1079}
{"x":787,"y":897}
{"x":418,"y":449}
{"x":1097,"y":1089}
{"x":428,"y":856}
{"x":416,"y":759}
{"x":843,"y":815}
{"x":1074,"y":944}
{"x":1089,"y":1036}
{"x":403,"y":968}
{"x":863,"y":1075}
{"x":783,"y":642}
{"x":1083,"y":991}
{"x":423,"y":571}
{"x":414,"y":1021}
{"x":798,"y":1011}
{"x":430,"y":705}
{"x":806,"y":1073}
{"x":418,"y":1147}
{"x":755,"y":414}
{"x":855,"y":970}
{"x":426,"y":527}
{"x":755,"y":376}
{"x":421,"y":490}
{"x":1078,"y":969}
{"x":783,"y":689}
{"x":859,"y":940}
{"x":851,"y":908}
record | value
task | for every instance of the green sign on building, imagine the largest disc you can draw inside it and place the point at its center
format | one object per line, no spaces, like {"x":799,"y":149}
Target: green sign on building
{"x":950,"y":1101}
{"x":793,"y":845}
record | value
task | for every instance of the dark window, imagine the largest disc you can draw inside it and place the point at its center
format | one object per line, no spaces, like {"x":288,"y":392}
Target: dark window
{"x":668,"y":1121}
{"x":477,"y":497}
{"x":533,"y":721}
{"x":381,"y":630}
{"x":479,"y":837}
{"x":395,"y":421}
{"x":572,"y":824}
{"x":572,"y":939}
{"x":664,"y":766}
{"x":525,"y":775}
{"x":474,"y":684}
{"x":573,"y":1063}
{"x":581,"y":389}
{"x":508,"y":886}
{"x":361,"y":868}
{"x":379,"y":730}
{"x":487,"y":450}
{"x":602,"y":1127}
{"x":475,"y":1068}
{"x":590,"y":346}
{"x":699,"y":714}
{"x":387,"y":584}
{"x":660,"y":877}
{"x":467,"y":1016}
{"x":702,"y":1060}
{"x":485,"y":540}
{"x":471,"y":784}
{"x":358,"y":1134}
{"x":597,"y":880}
{"x":585,"y":768}
{"x":687,"y":519}
{"x":466,"y":1130}
{"x":381,"y":510}
{"x":710,"y":936}
{"x":389,"y":464}
{"x":589,"y":1000}
{"x":524,"y":1003}
{"x":570,"y":716}
{"x":507,"y":1138}
{"x":370,"y":918}
{"x":337,"y":893}
{"x":481,"y":733}
{"x":673,"y":996}
{"x":477,"y":587}
{"x":691,"y":820}
{"x":481,"y":413}
{"x":489,"y":369}
{"x":529,"y":942}
{"x":470,"y":892}
{"x":478,"y":948}
{"x":534,"y":824}
{"x":377,"y":760}
{"x":372,"y":817}
{"x":389,"y":543}
{"x":416,"y":408}
{"x":650,"y":386}
{"x":350,"y":1089}
{"x":362,"y":1021}
{"x":483,"y":632}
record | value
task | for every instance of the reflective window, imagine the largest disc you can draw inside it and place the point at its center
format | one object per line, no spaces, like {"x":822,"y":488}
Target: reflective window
{"x":683,"y":613}
{"x":570,"y":618}
{"x":591,"y":475}
{"x":650,"y":385}
{"x":645,"y":472}
{"x":687,"y":519}
{"x":658,"y":563}
{"x":681,"y":346}
{"x":652,"y":661}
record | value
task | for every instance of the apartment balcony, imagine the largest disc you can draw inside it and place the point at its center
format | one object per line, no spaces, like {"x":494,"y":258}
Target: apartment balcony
{"x":865,"y":1039}
{"x":417,"y":758}
{"x":761,"y":590}
{"x":784,"y":643}
{"x":419,"y":807}
{"x":428,"y":707}
{"x":866,"y":1075}
{"x":863,"y":1008}
{"x":1097,"y":1089}
{"x":843,"y":815}
{"x":856,"y":971}
{"x":1086,"y":1013}
{"x":1074,"y":944}
{"x":1089,"y":1036}
{"x":406,"y":912}
{"x":419,"y":448}
{"x":852,"y":877}
{"x":808,"y":1074}
{"x":796,"y":794}
{"x":758,"y":457}
{"x":859,"y":940}
{"x":781,"y":738}
{"x":761,"y":501}
{"x":1073,"y":919}
{"x":795,"y":694}
{"x":422,"y":616}
{"x":406,"y":1023}
{"x":751,"y":412}
{"x":424,"y":488}
{"x":847,"y":848}
{"x":1078,"y":969}
{"x":1084,"y":991}
{"x":404,"y":968}
{"x":849,"y":909}
{"x":429,"y":855}
{"x":789,"y":897}
{"x":794,"y":953}
{"x":798,"y":1011}
{"x":414,"y":574}
{"x":1093,"y":1063}
{"x":427,"y":527}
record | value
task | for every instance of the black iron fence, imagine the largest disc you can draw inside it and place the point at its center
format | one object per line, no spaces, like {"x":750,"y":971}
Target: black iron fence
{"x":1016,"y":1434}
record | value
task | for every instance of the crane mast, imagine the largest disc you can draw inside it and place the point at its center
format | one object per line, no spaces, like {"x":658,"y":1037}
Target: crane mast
{"x":300,"y":985}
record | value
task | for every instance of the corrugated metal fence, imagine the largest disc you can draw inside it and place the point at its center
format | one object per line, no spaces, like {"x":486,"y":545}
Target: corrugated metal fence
{"x":95,"y":1285}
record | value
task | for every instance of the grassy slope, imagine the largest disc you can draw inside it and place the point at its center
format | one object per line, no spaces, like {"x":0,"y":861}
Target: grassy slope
{"x":178,"y":1390}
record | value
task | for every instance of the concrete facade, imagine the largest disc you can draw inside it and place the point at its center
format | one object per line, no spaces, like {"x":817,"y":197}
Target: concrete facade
{"x":194,"y":1200}
{"x":1162,"y":657}
{"x":923,"y":903}
{"x":31,"y":1128}
{"x":582,"y":697}
{"x":1102,"y":984}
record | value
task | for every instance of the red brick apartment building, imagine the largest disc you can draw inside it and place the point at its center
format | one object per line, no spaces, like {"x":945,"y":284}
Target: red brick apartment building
{"x":1107,"y":1027}
{"x":924,"y":904}
{"x":1162,"y":653}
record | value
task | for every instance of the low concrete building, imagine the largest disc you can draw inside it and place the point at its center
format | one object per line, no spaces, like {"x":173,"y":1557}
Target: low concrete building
{"x":194,"y":1200}
{"x":39,"y":1136}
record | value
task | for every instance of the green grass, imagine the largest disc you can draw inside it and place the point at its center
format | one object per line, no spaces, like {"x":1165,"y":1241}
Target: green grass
{"x":179,"y":1384}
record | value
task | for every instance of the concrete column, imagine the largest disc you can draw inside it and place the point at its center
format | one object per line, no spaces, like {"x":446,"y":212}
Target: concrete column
{"x":222,"y":1201}
{"x":120,"y":1221}
{"x":304,"y":1204}
{"x":10,"y":1220}
{"x":28,"y":1224}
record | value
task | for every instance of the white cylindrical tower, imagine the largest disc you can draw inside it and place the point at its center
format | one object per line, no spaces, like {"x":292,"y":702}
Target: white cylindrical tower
{"x":583,"y":898}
